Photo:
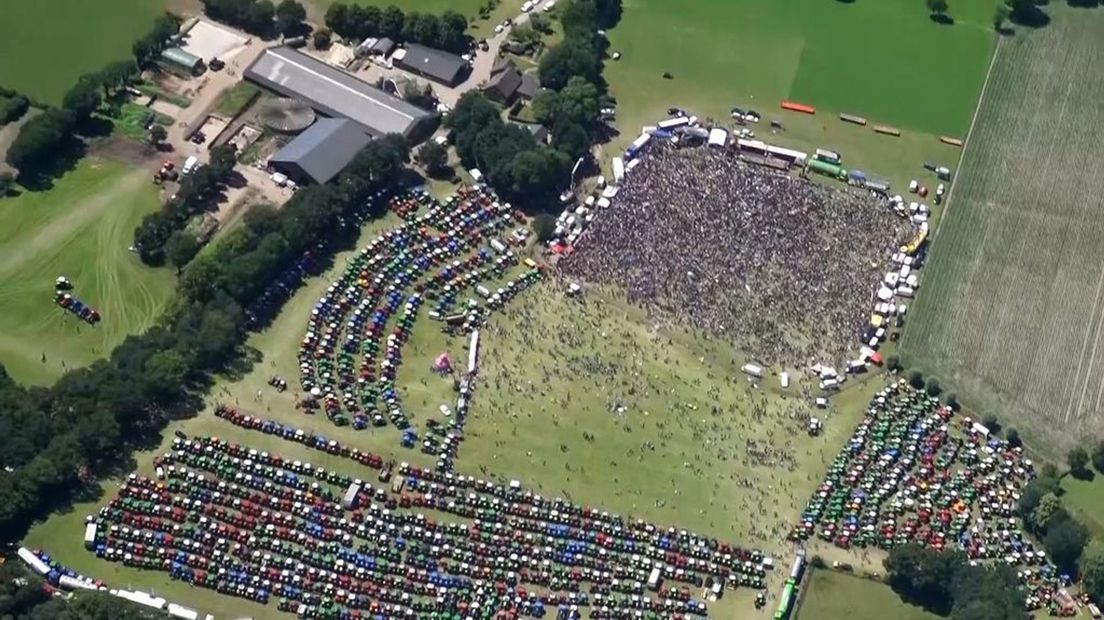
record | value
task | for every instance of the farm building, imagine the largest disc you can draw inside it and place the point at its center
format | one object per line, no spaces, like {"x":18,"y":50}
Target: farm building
{"x":179,"y":59}
{"x":338,"y":94}
{"x":443,"y":67}
{"x":508,"y":84}
{"x":320,"y":152}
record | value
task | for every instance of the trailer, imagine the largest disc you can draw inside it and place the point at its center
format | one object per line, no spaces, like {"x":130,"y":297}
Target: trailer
{"x":753,"y":370}
{"x":785,"y":380}
{"x":350,"y":499}
{"x":141,"y":598}
{"x":32,"y":560}
{"x":829,"y":156}
{"x":797,"y":569}
{"x":654,"y":577}
{"x":73,"y":583}
{"x":473,"y":352}
{"x":618,"y":169}
{"x":498,"y":246}
{"x":718,"y":137}
{"x":785,"y":602}
{"x":828,"y":169}
{"x":671,"y":123}
{"x":792,"y":155}
{"x":89,"y":535}
{"x":637,"y":144}
{"x":179,"y":611}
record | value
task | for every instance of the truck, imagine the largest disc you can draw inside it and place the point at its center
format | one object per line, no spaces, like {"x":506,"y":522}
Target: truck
{"x":189,"y":164}
{"x":753,"y":370}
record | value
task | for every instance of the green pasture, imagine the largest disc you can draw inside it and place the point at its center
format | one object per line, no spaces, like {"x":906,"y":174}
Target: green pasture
{"x":1084,"y":498}
{"x":886,"y":61}
{"x":47,"y":45}
{"x":829,"y":595}
{"x":1009,"y":312}
{"x":129,"y":119}
{"x":80,"y":228}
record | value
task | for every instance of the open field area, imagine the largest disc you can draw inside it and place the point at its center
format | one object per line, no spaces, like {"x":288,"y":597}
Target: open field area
{"x":47,"y":45}
{"x":580,"y":398}
{"x":1084,"y":498}
{"x":829,"y":595}
{"x":80,"y":228}
{"x":886,"y":61}
{"x":1010,"y":312}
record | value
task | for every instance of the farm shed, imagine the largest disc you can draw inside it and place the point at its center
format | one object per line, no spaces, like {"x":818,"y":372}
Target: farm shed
{"x":180,"y":59}
{"x":320,"y":152}
{"x":338,"y":94}
{"x":443,"y":67}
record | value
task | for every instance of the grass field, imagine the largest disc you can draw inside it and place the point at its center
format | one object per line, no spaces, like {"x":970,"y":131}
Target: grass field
{"x":553,"y":368}
{"x":47,"y":45}
{"x":1083,"y":498}
{"x":829,"y":595}
{"x":884,"y":60}
{"x":80,"y":228}
{"x":1010,"y":314}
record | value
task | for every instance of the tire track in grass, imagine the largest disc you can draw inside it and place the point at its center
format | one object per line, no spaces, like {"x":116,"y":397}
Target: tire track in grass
{"x":1085,"y":343}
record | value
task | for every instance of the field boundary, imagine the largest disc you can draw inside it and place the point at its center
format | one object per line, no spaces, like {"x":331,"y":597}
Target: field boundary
{"x":966,"y":141}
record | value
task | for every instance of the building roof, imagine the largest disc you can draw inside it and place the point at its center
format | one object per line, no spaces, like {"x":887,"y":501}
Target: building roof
{"x":433,"y":63}
{"x":530,"y":84}
{"x":383,"y":46}
{"x":180,"y":57}
{"x":504,"y":81}
{"x":324,"y":149}
{"x":334,"y":92}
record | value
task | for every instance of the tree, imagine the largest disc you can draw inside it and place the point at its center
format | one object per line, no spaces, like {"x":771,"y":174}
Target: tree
{"x":916,"y":380}
{"x":391,"y":22}
{"x":221,"y":163}
{"x":1013,"y":437}
{"x":1049,"y":505}
{"x":82,"y":99}
{"x":1092,"y":570}
{"x":933,"y":388}
{"x":322,"y":39}
{"x":893,"y":363}
{"x":1098,"y":456}
{"x":1000,"y":15}
{"x":261,"y":14}
{"x":1077,"y":459}
{"x":936,"y":7}
{"x":452,"y":34}
{"x":575,"y":56}
{"x":1065,"y":540}
{"x":1023,"y":10}
{"x":434,"y":157}
{"x":1032,"y":496}
{"x":289,"y":17}
{"x":540,"y":23}
{"x":923,"y":575}
{"x":951,"y":400}
{"x":38,"y":141}
{"x":157,"y":134}
{"x":180,"y":248}
{"x":571,"y":139}
{"x":338,"y":19}
{"x":544,"y":227}
{"x":7,"y":183}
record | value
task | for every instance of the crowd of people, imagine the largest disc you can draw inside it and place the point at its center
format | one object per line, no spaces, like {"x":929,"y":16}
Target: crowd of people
{"x":783,"y":266}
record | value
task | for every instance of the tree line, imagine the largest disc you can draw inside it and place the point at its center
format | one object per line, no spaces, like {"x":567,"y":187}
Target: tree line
{"x":945,"y":583}
{"x":162,"y":235}
{"x":46,"y":139}
{"x":354,"y":22}
{"x":59,"y":439}
{"x":259,"y":17}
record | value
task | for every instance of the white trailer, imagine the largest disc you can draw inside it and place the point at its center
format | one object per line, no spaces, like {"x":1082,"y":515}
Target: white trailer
{"x":473,"y":352}
{"x":672,"y":123}
{"x":89,"y":535}
{"x":785,"y":379}
{"x":653,"y":577}
{"x":753,"y":370}
{"x":350,"y":499}
{"x":32,"y":560}
{"x":72,"y":583}
{"x":618,"y":169}
{"x":179,"y":611}
{"x":718,"y":137}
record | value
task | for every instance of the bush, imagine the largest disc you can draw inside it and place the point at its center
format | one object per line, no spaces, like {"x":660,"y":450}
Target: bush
{"x":951,"y":399}
{"x":13,"y":108}
{"x":322,"y":39}
{"x":1013,"y":437}
{"x":893,"y":363}
{"x":544,"y":227}
{"x":933,"y":388}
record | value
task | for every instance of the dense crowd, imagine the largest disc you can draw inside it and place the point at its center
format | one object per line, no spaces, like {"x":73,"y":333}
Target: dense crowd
{"x":783,"y":266}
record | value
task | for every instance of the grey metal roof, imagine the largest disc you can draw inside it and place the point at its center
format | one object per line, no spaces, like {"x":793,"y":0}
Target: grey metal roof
{"x":333,"y":91}
{"x":504,"y":81}
{"x":431,"y":62}
{"x":324,"y":149}
{"x":181,"y":57}
{"x":529,"y":86}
